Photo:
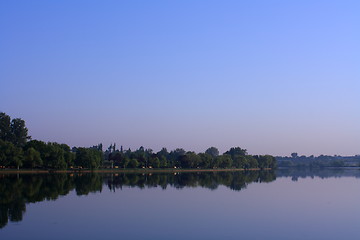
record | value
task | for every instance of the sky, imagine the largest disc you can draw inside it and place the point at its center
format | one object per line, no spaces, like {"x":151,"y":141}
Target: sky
{"x":273,"y":77}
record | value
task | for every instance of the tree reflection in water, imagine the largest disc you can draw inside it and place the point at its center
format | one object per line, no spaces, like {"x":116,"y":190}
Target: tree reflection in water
{"x":18,"y":190}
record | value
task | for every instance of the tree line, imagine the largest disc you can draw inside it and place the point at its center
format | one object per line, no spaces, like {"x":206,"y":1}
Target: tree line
{"x":322,"y":161}
{"x":235,"y":157}
{"x":18,"y":150}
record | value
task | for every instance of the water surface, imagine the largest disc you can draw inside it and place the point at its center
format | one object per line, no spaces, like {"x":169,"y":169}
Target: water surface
{"x":287,"y":204}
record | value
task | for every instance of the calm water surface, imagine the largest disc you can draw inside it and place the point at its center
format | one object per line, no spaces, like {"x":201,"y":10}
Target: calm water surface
{"x":230,"y":205}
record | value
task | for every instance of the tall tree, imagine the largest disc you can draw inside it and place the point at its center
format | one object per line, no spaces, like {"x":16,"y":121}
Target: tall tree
{"x":19,"y":132}
{"x":13,"y":131}
{"x":5,"y":127}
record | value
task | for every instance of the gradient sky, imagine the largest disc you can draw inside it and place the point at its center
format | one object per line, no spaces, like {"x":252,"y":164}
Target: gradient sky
{"x":273,"y":77}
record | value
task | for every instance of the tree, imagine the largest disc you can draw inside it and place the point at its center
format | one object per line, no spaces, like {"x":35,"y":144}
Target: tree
{"x":56,"y":156}
{"x":239,"y":161}
{"x":212,"y":151}
{"x":10,"y":155}
{"x":163,"y":155}
{"x":16,"y":158}
{"x":266,"y":161}
{"x":215,"y":163}
{"x":174,"y":156}
{"x":154,"y":162}
{"x":189,"y":160}
{"x":5,"y":127}
{"x":13,"y":131}
{"x":252,"y":162}
{"x":206,"y":160}
{"x":236,"y":151}
{"x":163,"y":162}
{"x":141,"y":157}
{"x":225,"y":161}
{"x":337,"y":163}
{"x":19,"y":132}
{"x":32,"y":158}
{"x":88,"y":158}
{"x":69,"y":156}
{"x":163,"y":152}
{"x":133,"y":163}
{"x":41,"y":147}
{"x":124,"y":163}
{"x":294,"y":155}
{"x":6,"y":149}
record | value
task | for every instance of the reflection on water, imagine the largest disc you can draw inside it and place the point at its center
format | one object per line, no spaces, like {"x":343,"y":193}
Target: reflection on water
{"x":18,"y":190}
{"x":291,"y":204}
{"x":212,"y":180}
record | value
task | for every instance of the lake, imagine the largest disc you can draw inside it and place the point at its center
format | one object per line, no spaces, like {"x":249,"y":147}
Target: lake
{"x":286,"y":204}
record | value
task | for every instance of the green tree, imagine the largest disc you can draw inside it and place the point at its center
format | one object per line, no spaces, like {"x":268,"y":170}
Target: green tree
{"x":225,"y":161}
{"x":124,"y":163}
{"x":252,"y":162}
{"x":13,"y":131}
{"x":236,"y":151}
{"x":174,"y":157}
{"x":56,"y":156}
{"x":88,"y":158}
{"x":44,"y":150}
{"x":69,"y":156}
{"x":266,"y":161}
{"x":163,"y":162}
{"x":163,"y":152}
{"x":32,"y":158}
{"x":10,"y":155}
{"x":212,"y":151}
{"x":133,"y":163}
{"x":117,"y":157}
{"x":154,"y":162}
{"x":141,"y":157}
{"x":5,"y":127}
{"x":205,"y":160}
{"x":189,"y":160}
{"x":239,"y":161}
{"x":19,"y":132}
{"x":216,"y":162}
{"x":4,"y":161}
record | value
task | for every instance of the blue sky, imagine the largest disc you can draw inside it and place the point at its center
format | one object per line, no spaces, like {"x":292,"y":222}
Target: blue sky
{"x":273,"y":77}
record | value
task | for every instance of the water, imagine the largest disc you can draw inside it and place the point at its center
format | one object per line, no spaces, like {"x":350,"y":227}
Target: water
{"x":287,"y":204}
